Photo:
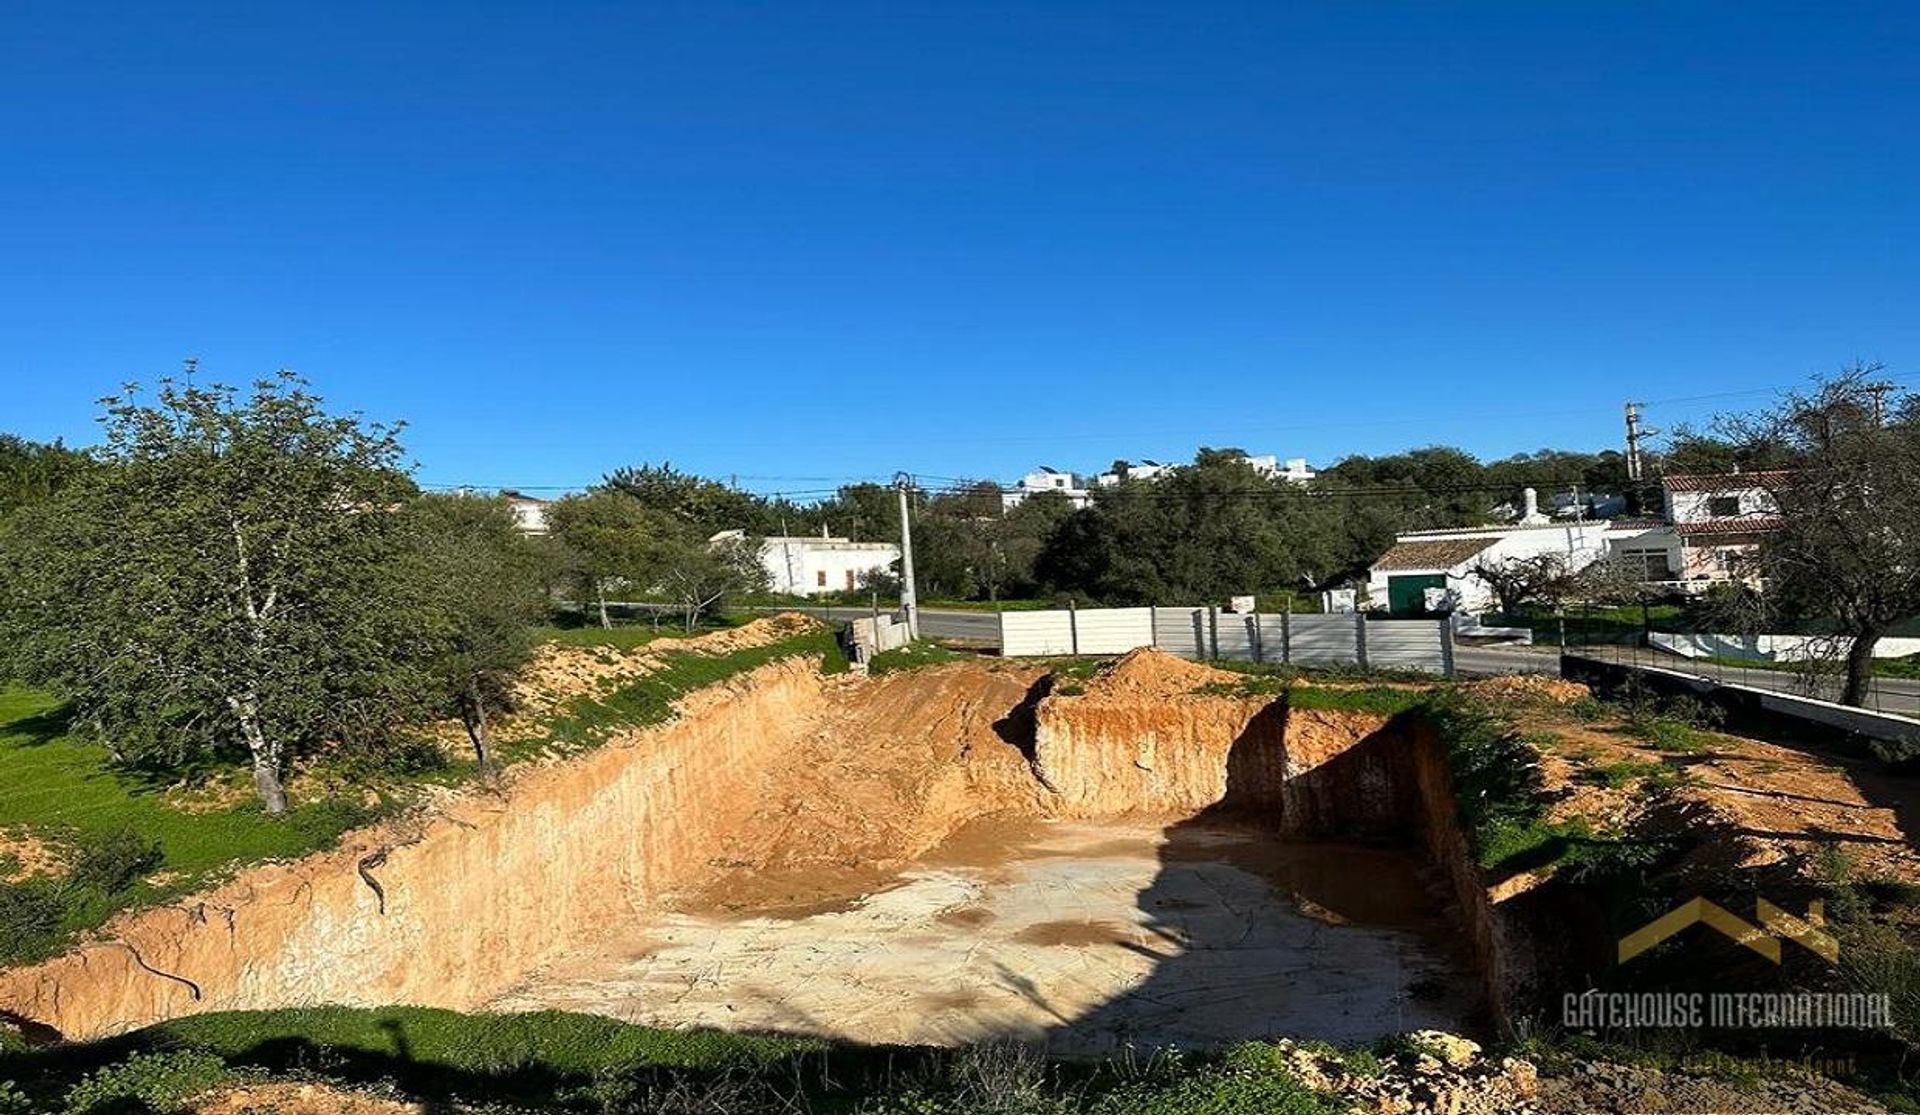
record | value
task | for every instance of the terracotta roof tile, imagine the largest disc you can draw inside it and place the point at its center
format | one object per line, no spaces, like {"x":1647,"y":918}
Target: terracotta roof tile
{"x":1437,"y":553}
{"x":1722,"y":481}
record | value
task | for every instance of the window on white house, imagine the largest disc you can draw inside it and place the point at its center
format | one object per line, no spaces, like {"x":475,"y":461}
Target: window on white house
{"x":850,"y":584}
{"x":1645,"y":565}
{"x":1723,"y":507}
{"x":820,"y":579}
{"x":1727,"y":559}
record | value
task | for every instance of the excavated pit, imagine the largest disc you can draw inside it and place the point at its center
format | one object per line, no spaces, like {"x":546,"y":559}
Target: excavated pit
{"x":1090,"y":936}
{"x":944,"y":856}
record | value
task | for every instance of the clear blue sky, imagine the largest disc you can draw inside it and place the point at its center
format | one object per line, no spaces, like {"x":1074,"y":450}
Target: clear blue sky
{"x":805,"y":240}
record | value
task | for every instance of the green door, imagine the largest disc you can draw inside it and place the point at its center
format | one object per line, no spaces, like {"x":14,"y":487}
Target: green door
{"x":1407,"y":594}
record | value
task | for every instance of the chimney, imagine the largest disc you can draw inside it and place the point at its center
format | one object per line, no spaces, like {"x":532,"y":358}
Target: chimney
{"x":1530,"y":500}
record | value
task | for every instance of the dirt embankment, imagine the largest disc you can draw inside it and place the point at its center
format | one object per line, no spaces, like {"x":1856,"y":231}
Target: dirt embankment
{"x":452,"y":910}
{"x":1157,"y":734}
{"x":779,"y":788}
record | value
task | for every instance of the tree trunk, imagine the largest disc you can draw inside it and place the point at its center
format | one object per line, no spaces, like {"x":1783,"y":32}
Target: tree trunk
{"x":1860,"y":669}
{"x":600,"y":593}
{"x":474,"y":716}
{"x":266,"y":754}
{"x":266,"y":782}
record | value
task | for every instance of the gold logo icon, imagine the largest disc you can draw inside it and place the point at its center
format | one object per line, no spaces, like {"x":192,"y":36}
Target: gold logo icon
{"x":1775,"y":925}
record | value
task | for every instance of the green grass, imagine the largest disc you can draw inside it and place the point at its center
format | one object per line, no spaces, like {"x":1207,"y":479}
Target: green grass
{"x":1623,"y":773}
{"x":1613,"y":625}
{"x":630,"y":635}
{"x":555,"y":1061}
{"x":916,"y":655}
{"x":65,"y":789}
{"x":1671,"y":736}
{"x":1376,"y":699}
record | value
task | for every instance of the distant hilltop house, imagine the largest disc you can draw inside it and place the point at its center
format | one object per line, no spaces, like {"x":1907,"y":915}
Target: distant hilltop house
{"x":529,"y":513}
{"x":1294,"y":469}
{"x":1049,"y":479}
{"x":1046,"y":479}
{"x":1711,"y":529}
{"x":804,"y":565}
{"x":1147,"y":469}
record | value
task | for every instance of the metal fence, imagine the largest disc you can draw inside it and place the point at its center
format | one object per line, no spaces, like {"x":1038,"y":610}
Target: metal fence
{"x":1205,"y":633}
{"x":1680,"y":644}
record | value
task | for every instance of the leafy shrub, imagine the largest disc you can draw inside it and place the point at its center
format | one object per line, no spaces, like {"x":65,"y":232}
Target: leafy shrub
{"x":1497,"y":784}
{"x":12,"y":1100}
{"x":30,"y":915}
{"x":111,"y":863}
{"x":147,"y":1082}
{"x":1672,"y":736}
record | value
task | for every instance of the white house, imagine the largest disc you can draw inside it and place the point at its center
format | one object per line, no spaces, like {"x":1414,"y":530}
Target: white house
{"x":529,"y":514}
{"x":1433,"y":570}
{"x":803,"y":565}
{"x":1294,"y":470}
{"x":1713,"y":526}
{"x":1046,"y":479}
{"x":1146,"y":469}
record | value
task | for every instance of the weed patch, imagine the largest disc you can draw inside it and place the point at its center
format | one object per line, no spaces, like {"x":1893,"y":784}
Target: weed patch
{"x":916,"y":655}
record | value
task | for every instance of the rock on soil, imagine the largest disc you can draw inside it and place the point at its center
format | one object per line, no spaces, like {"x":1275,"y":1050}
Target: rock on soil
{"x":1444,"y":1074}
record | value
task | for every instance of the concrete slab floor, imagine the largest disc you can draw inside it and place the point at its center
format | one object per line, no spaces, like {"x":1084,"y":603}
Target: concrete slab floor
{"x":1088,"y":936}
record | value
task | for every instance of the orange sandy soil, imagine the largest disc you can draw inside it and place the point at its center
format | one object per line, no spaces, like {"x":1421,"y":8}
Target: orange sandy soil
{"x":1765,"y":806}
{"x":23,"y":855}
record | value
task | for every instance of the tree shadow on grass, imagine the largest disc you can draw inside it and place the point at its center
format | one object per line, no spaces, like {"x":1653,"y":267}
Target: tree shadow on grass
{"x":527,"y":1076}
{"x":39,"y":728}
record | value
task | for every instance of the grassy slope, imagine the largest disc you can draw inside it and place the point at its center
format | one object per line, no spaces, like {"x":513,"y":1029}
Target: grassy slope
{"x":62,"y":787}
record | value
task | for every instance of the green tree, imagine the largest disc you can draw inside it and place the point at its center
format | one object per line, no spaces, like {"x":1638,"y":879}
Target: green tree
{"x":222,"y":577}
{"x":1209,"y":529}
{"x":31,"y":471}
{"x":613,"y":540}
{"x":479,"y":594}
{"x":697,"y":575}
{"x":707,"y":506}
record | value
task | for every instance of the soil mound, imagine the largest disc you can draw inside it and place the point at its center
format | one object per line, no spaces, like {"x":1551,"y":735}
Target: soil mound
{"x":1146,"y":673}
{"x":1530,"y":688}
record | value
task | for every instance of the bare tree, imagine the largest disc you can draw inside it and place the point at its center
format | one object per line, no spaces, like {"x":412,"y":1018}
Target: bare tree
{"x":1844,"y":546}
{"x":1517,"y":582}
